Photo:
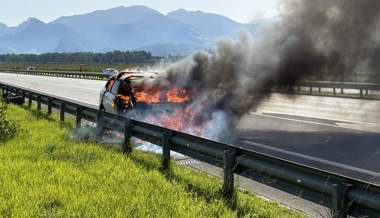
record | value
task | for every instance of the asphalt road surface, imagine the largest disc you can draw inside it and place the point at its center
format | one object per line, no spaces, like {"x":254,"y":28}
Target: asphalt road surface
{"x":334,"y":134}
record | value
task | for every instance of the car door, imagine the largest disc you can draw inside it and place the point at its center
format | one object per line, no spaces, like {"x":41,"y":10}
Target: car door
{"x":109,"y":97}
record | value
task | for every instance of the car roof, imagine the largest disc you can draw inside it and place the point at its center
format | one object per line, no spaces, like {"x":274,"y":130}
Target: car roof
{"x":129,"y":74}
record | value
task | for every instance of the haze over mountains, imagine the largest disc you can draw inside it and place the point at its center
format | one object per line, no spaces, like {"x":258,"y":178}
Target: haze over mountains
{"x":122,"y":28}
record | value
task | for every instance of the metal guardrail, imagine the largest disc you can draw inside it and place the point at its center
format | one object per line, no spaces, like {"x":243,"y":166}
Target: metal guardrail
{"x":348,"y":196}
{"x":66,"y":74}
{"x":363,"y":88}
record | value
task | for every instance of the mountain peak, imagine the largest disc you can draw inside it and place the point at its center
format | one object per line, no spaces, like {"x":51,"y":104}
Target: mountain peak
{"x":106,"y":18}
{"x":32,"y":22}
{"x":181,"y":10}
{"x":139,"y":7}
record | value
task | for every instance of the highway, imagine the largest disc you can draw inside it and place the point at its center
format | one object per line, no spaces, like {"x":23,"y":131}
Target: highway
{"x":334,"y":134}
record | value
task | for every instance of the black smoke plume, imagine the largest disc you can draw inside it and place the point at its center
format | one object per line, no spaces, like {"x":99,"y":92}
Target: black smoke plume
{"x":314,"y":38}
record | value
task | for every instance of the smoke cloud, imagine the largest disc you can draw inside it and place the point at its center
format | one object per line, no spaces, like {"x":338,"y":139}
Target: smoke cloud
{"x":313,"y":38}
{"x":334,"y":37}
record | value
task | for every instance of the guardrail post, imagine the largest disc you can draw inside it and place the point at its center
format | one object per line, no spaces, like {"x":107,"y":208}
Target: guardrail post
{"x":127,"y":148}
{"x":50,"y":105}
{"x":339,"y":205}
{"x":78,"y":116}
{"x":311,"y":89}
{"x":319,"y":89}
{"x":341,"y":91}
{"x":23,"y":97}
{"x":334,"y":91}
{"x":361,"y":93}
{"x":166,"y":150}
{"x":62,"y":112}
{"x":229,"y":168}
{"x":99,"y":125}
{"x":30,"y":100}
{"x":38,"y":102}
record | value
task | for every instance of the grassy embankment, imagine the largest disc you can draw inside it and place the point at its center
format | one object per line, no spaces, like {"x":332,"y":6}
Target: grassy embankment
{"x":45,"y":174}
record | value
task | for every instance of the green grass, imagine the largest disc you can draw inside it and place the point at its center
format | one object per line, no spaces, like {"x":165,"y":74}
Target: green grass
{"x":45,"y":174}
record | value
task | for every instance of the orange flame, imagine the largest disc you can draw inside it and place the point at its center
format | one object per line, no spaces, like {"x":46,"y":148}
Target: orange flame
{"x":150,"y":98}
{"x":154,"y":95}
{"x":177,"y":95}
{"x":181,"y":118}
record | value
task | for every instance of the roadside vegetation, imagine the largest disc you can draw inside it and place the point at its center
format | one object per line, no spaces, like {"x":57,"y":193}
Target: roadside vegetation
{"x":8,"y":128}
{"x":74,"y":67}
{"x":45,"y":174}
{"x":87,"y":61}
{"x":92,"y":57}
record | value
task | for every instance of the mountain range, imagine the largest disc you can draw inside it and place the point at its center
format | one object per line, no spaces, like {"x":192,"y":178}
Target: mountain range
{"x":123,"y":28}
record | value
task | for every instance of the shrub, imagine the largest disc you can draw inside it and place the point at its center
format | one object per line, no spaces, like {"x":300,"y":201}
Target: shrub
{"x":8,"y":128}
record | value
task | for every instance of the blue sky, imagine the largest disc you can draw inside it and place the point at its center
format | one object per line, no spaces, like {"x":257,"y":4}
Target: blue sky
{"x":13,"y":12}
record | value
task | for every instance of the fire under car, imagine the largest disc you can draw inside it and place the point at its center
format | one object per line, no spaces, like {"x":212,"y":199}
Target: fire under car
{"x":126,"y":92}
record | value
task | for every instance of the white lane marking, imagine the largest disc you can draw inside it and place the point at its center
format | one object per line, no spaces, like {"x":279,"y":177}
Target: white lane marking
{"x":295,"y":120}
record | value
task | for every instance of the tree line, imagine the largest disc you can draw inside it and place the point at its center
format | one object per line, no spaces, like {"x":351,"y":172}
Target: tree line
{"x":85,"y":57}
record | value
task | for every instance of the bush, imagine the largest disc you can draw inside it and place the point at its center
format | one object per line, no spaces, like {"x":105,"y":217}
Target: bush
{"x":8,"y":128}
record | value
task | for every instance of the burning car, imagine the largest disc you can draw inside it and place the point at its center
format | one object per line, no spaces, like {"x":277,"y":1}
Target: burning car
{"x":153,"y":98}
{"x":129,"y":90}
